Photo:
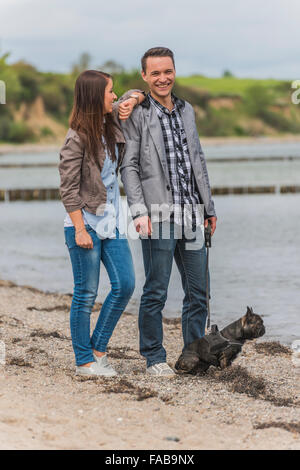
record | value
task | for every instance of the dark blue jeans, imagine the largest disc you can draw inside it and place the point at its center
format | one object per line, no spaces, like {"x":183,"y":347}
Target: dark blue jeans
{"x":116,"y":257}
{"x":158,"y":257}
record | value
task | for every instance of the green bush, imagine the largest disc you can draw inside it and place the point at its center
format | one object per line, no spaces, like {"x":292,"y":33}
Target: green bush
{"x":257,"y":99}
{"x":30,"y":80}
{"x":240,"y":131}
{"x":53,"y":98}
{"x":11,"y":79}
{"x":217,"y":122}
{"x":127,"y":80}
{"x":46,"y":132}
{"x":57,"y":93}
{"x":280,"y":122}
{"x":5,"y":125}
{"x":19,"y":132}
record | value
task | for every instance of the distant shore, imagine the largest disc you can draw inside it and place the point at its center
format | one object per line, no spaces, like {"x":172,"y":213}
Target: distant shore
{"x":6,"y":149}
{"x":207,"y":141}
{"x":254,"y":404}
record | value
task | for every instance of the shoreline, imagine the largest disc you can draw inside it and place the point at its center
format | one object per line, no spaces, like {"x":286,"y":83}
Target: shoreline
{"x":6,"y":148}
{"x":254,"y":404}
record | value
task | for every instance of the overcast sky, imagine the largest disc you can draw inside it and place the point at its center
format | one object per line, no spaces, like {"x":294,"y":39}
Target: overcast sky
{"x":252,"y":38}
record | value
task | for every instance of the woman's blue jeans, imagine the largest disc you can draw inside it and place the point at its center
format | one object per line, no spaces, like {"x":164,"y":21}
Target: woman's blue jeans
{"x":116,"y":257}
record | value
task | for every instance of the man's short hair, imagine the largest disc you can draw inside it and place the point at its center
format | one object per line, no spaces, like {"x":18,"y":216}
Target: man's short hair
{"x":156,"y":52}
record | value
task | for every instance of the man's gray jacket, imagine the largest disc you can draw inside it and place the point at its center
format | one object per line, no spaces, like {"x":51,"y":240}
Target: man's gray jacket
{"x":144,"y":167}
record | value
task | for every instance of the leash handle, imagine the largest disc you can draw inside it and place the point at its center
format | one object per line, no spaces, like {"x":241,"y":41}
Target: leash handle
{"x":207,"y":235}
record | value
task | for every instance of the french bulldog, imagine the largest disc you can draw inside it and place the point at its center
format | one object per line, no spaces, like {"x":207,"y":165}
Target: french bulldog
{"x":220,"y":348}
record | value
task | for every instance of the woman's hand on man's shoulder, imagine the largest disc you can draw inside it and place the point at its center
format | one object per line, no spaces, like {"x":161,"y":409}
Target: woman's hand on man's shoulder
{"x":126,"y":108}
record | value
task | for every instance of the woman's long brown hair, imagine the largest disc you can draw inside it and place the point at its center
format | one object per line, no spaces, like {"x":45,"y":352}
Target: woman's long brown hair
{"x":87,"y":117}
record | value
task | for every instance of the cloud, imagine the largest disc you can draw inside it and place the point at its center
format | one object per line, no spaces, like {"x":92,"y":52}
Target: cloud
{"x":250,"y":37}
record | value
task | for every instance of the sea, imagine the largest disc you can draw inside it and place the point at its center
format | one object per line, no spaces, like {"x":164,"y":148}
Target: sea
{"x":255,"y":253}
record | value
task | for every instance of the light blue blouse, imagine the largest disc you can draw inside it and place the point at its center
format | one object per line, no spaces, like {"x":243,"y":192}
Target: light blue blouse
{"x":105,"y":225}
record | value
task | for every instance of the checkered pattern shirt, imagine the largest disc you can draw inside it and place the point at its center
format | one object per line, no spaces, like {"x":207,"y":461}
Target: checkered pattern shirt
{"x":182,"y":181}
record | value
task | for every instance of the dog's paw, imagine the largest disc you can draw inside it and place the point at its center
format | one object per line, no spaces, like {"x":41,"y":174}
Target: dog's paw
{"x":227,"y":356}
{"x":224,"y":361}
{"x":187,"y":363}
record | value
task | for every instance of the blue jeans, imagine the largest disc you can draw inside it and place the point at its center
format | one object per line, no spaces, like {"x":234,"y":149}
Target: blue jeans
{"x":116,"y":257}
{"x":158,"y":257}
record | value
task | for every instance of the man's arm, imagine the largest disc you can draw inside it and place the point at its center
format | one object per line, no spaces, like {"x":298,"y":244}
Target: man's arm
{"x":123,"y":108}
{"x":210,"y":213}
{"x":130,"y":174}
{"x":210,"y":216}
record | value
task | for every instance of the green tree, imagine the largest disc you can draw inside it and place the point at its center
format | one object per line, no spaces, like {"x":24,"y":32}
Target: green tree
{"x":83,"y":64}
{"x":30,"y":81}
{"x":112,"y":67}
{"x":11,"y":80}
{"x":227,"y":74}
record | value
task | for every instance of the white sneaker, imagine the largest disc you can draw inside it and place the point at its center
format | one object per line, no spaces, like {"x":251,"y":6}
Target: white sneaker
{"x":104,"y":366}
{"x":91,"y":370}
{"x":162,"y":369}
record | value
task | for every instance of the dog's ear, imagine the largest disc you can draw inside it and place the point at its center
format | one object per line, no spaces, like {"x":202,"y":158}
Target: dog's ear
{"x":249,"y":311}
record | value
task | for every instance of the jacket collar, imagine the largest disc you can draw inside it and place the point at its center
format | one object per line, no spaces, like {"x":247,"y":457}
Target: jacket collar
{"x":177,"y":101}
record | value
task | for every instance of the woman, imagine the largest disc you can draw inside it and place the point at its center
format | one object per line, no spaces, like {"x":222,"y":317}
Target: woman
{"x":89,"y":161}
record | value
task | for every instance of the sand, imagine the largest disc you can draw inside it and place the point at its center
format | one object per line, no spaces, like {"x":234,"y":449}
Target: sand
{"x":254,"y":404}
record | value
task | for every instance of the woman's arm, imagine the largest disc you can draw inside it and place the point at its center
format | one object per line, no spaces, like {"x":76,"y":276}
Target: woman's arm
{"x":126,"y":107}
{"x":71,"y":156}
{"x":82,"y":237}
{"x":123,"y":108}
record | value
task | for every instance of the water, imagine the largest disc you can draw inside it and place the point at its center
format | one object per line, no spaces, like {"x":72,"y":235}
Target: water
{"x":258,"y":148}
{"x":245,"y":173}
{"x":255,"y":259}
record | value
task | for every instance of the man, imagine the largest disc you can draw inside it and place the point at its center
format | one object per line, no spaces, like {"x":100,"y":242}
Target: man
{"x":165,"y":179}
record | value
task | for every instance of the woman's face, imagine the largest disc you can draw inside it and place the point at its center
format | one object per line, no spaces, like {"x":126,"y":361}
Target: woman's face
{"x":109,"y":97}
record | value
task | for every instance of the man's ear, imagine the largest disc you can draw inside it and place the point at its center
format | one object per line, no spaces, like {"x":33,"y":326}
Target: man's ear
{"x":143,"y":76}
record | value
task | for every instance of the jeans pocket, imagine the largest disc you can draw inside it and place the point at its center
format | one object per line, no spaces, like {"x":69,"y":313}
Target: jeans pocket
{"x":70,"y":237}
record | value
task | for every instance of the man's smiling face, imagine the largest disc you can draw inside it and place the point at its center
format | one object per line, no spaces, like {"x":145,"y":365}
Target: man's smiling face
{"x":160,"y":76}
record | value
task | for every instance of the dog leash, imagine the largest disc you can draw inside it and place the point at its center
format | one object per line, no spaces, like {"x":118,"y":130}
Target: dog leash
{"x":216,"y":339}
{"x":207,"y":238}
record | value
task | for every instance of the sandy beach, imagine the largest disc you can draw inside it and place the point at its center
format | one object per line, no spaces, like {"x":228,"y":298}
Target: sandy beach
{"x":254,"y":404}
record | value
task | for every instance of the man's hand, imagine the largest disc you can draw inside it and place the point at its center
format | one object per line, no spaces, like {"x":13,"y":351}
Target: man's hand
{"x":213,"y":222}
{"x":126,"y":108}
{"x":143,"y":225}
{"x":84,"y":240}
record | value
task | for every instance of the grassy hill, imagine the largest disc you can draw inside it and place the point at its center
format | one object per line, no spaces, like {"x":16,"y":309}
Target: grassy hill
{"x":226,"y":85}
{"x":39,"y":104}
{"x":230,"y":106}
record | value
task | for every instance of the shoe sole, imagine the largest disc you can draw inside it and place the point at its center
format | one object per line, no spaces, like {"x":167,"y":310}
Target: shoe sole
{"x":95,"y":375}
{"x":160,"y":375}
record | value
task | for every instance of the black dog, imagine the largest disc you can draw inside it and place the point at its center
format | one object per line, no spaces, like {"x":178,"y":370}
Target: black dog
{"x":220,"y":348}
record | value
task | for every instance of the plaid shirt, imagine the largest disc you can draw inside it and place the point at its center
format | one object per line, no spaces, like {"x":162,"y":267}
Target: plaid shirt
{"x":183,"y":185}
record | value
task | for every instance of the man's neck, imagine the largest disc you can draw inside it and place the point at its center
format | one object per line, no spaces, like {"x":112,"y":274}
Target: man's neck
{"x":165,"y":101}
